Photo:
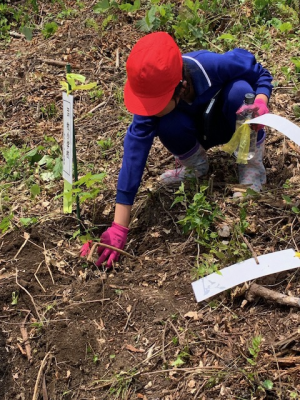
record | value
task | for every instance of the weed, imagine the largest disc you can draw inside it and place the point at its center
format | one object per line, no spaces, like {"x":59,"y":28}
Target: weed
{"x":267,"y":384}
{"x":107,"y":20}
{"x":67,"y":14}
{"x":50,"y":111}
{"x":105,"y":144}
{"x":28,"y":221}
{"x":294,"y":395}
{"x":49,"y":29}
{"x":5,"y":224}
{"x":157,"y":17}
{"x":181,"y":358}
{"x":91,"y":23}
{"x":38,"y":325}
{"x":175,"y":340}
{"x":130,"y":8}
{"x":95,"y":358}
{"x":254,"y":350}
{"x":15,"y":298}
{"x":121,"y":384}
{"x":200,"y":215}
{"x":80,"y":4}
{"x":96,"y":94}
{"x":86,"y":188}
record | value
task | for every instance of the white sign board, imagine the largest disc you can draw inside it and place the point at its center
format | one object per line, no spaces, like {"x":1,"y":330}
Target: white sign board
{"x":68,"y":137}
{"x":245,"y":271}
{"x":283,"y":125}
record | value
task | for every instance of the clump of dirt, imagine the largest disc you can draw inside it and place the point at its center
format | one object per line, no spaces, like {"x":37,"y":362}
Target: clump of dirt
{"x":136,"y":331}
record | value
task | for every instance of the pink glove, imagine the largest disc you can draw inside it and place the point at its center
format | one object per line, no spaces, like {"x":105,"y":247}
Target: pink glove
{"x":258,"y":108}
{"x":115,"y":236}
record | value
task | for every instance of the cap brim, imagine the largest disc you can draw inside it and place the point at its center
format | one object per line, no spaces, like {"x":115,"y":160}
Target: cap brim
{"x":145,"y":106}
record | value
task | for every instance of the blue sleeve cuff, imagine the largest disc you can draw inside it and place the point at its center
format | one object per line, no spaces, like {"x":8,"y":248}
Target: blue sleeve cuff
{"x":264,"y":90}
{"x":126,"y":198}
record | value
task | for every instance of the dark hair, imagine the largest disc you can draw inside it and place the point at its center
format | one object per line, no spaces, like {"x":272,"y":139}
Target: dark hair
{"x":185,"y":77}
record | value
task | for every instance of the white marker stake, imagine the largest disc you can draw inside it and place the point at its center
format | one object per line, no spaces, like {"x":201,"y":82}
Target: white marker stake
{"x":68,"y":137}
{"x":283,"y":125}
{"x":244,"y":271}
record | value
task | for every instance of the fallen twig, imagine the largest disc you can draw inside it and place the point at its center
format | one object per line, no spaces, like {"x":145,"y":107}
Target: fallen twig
{"x":257,"y":290}
{"x":31,"y":298}
{"x":176,"y":331}
{"x":38,"y":379}
{"x":129,"y":315}
{"x":86,"y":302}
{"x":21,"y":349}
{"x":251,"y":249}
{"x":163,"y":344}
{"x":44,"y":388}
{"x":284,"y":343}
{"x":59,"y":63}
{"x":35,"y":275}
{"x":112,"y":248}
{"x":90,"y":255}
{"x":47,"y":262}
{"x":26,"y":340}
{"x":17,"y":35}
{"x":27,"y":237}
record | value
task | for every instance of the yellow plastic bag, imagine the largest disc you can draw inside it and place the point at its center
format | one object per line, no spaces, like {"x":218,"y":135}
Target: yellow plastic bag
{"x":240,"y":139}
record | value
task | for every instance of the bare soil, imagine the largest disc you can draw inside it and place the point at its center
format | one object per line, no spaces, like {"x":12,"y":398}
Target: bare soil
{"x":95,"y":334}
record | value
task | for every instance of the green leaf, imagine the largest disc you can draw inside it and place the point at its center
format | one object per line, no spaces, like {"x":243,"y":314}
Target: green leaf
{"x":251,"y":361}
{"x":34,"y":156}
{"x":85,"y":87}
{"x":130,"y":7}
{"x":27,"y":32}
{"x":35,"y":190}
{"x":84,"y":179}
{"x":5,"y":223}
{"x":287,"y":199}
{"x":144,"y":25}
{"x":285,"y":27}
{"x":101,"y":6}
{"x":178,"y":362}
{"x":44,"y":160}
{"x":76,"y":77}
{"x":15,"y":298}
{"x":267,"y":384}
{"x":295,"y":210}
{"x":65,"y":86}
{"x":58,"y":167}
{"x":227,"y":36}
{"x":47,"y":176}
{"x":28,"y":221}
{"x":296,"y":61}
{"x":98,"y":177}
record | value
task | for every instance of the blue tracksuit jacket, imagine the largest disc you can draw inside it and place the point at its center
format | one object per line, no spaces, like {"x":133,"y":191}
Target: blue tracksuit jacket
{"x":209,"y":73}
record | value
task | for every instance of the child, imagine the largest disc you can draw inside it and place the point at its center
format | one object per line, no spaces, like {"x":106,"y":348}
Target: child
{"x":190,"y":102}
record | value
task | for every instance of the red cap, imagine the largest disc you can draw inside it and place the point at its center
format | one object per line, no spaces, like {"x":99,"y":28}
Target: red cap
{"x":154,"y":69}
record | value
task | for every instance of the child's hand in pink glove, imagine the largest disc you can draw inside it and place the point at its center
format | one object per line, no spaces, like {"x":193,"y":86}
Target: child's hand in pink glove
{"x":115,"y":236}
{"x":258,"y":108}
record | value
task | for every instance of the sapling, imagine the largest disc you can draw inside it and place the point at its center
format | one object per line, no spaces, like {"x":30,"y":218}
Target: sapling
{"x":69,"y":86}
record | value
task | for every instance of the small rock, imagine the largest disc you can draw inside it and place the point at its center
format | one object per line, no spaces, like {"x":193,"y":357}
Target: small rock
{"x":224,"y":231}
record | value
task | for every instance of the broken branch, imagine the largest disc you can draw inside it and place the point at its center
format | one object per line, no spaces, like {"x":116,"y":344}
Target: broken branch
{"x":258,"y":290}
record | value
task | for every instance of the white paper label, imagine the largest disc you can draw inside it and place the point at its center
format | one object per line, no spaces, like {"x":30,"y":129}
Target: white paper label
{"x":283,"y":125}
{"x":245,"y":271}
{"x":68,"y":137}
